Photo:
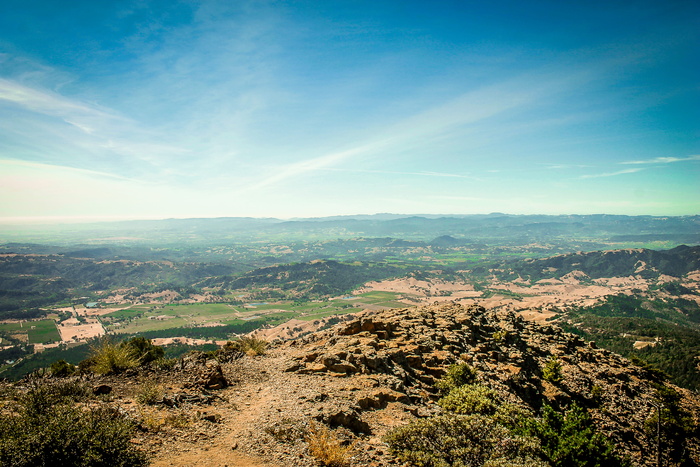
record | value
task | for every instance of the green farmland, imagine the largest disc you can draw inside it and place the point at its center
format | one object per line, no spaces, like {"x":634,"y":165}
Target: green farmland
{"x":43,"y":332}
{"x":13,"y":328}
{"x":37,"y":332}
{"x":159,"y":319}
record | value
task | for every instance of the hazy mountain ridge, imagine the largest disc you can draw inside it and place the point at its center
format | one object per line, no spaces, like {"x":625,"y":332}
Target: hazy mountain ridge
{"x":614,"y":263}
{"x":683,"y":229}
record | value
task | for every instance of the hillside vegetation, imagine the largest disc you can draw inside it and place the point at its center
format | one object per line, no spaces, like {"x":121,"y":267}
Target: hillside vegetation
{"x":664,"y":334}
{"x":617,"y":263}
{"x":428,"y":386}
{"x":305,"y":281}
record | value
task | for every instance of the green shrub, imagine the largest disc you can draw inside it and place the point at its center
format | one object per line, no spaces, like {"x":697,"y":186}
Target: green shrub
{"x":552,"y":371}
{"x":501,"y":335}
{"x":44,"y":394}
{"x":248,"y":345}
{"x":144,"y":350}
{"x":462,"y":440}
{"x":597,"y":394}
{"x":108,"y":358}
{"x":476,"y":399}
{"x":61,"y":368}
{"x":677,"y":424}
{"x":471,"y":399}
{"x":48,"y":428}
{"x":570,"y":439}
{"x":483,"y":430}
{"x":512,"y":416}
{"x":457,"y":375}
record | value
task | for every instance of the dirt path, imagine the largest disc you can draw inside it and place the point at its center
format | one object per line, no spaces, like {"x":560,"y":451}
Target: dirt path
{"x":236,"y":413}
{"x":210,"y":458}
{"x":262,"y":416}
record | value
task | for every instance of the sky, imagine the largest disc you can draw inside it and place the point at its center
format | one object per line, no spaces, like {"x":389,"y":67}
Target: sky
{"x":159,"y":109}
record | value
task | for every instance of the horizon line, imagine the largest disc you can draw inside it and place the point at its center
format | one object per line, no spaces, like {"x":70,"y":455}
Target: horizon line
{"x":77,"y":220}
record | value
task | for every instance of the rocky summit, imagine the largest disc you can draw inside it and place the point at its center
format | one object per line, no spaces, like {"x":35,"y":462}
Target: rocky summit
{"x":406,"y":350}
{"x":356,"y":382}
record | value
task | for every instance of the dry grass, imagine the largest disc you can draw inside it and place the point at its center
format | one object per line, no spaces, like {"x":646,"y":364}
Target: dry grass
{"x":150,"y":393}
{"x":109,"y":358}
{"x":326,"y":447}
{"x":250,"y":346}
{"x":154,"y":420}
{"x":151,"y":420}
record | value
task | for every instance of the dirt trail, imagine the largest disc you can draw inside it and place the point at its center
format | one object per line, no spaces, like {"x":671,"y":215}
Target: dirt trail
{"x":236,"y":411}
{"x":262,"y":415}
{"x":213,"y":457}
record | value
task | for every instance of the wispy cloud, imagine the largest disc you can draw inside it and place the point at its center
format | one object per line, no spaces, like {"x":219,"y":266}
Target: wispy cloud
{"x":459,"y":115}
{"x":69,"y":132}
{"x":612,"y":174}
{"x":310,"y":165}
{"x":397,"y":172}
{"x":16,"y":164}
{"x":48,"y":103}
{"x":567,"y":166}
{"x":663,"y":160}
{"x":464,"y":110}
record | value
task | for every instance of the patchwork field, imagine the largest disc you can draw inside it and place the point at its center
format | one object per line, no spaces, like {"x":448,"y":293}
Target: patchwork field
{"x":158,"y":317}
{"x":32,"y":332}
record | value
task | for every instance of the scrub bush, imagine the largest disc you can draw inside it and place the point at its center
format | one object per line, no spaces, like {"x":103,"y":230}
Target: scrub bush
{"x":326,"y":447}
{"x":462,"y":441}
{"x":457,"y":375}
{"x":46,"y":427}
{"x":250,"y":346}
{"x":109,"y":357}
{"x":552,"y":371}
{"x":471,"y":399}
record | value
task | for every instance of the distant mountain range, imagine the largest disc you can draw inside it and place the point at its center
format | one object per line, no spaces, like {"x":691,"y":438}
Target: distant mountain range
{"x":493,"y":227}
{"x":614,"y":263}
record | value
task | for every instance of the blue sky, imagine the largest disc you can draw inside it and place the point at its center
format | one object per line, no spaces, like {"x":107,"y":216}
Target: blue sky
{"x":155,"y":109}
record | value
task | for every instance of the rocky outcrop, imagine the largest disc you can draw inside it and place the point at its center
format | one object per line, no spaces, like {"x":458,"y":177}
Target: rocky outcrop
{"x":412,"y":348}
{"x":202,"y":371}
